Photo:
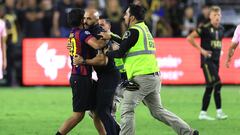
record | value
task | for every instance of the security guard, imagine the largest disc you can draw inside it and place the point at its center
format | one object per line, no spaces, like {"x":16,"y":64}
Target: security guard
{"x":138,"y":50}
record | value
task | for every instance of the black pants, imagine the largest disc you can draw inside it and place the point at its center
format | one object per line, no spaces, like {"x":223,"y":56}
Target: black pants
{"x":106,"y":87}
{"x":14,"y":63}
{"x":213,"y":82}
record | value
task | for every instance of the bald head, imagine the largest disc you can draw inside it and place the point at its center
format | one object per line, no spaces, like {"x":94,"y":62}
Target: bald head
{"x":91,"y":17}
{"x":92,"y":12}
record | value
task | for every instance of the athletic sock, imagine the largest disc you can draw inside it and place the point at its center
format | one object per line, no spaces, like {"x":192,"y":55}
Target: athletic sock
{"x":219,"y":110}
{"x":203,"y":112}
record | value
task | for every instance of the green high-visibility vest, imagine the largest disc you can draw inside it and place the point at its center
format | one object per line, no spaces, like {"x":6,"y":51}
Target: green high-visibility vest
{"x":141,"y":59}
{"x":119,"y":61}
{"x":119,"y":64}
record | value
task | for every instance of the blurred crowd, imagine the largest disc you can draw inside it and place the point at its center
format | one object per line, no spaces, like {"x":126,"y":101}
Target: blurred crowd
{"x":48,"y":18}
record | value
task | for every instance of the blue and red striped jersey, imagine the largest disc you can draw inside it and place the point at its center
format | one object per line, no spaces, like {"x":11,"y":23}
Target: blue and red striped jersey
{"x":78,"y":38}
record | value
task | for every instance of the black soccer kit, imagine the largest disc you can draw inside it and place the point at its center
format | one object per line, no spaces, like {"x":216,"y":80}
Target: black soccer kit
{"x":211,"y":40}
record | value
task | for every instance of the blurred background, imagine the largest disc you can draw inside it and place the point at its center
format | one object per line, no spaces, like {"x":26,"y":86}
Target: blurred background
{"x":48,"y":19}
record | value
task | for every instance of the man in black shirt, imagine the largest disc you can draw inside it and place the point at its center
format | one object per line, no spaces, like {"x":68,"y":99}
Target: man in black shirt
{"x":60,"y":25}
{"x":108,"y":78}
{"x":211,"y":35}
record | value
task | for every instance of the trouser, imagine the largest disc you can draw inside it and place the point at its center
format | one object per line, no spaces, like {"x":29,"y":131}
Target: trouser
{"x":106,"y":87}
{"x":211,"y":74}
{"x":118,"y":96}
{"x":149,"y":94}
{"x":14,"y":64}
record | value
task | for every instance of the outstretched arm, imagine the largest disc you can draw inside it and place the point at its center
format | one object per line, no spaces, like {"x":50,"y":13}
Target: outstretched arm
{"x":112,"y":36}
{"x":230,"y":53}
{"x":130,"y":38}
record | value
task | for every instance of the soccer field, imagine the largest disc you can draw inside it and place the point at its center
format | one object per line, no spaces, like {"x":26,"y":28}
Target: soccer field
{"x":41,"y":110}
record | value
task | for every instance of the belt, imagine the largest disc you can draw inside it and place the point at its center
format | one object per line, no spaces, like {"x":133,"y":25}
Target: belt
{"x":156,"y":73}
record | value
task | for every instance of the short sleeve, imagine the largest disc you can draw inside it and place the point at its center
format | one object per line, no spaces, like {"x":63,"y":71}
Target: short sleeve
{"x":236,"y":36}
{"x":85,"y":35}
{"x":199,"y":31}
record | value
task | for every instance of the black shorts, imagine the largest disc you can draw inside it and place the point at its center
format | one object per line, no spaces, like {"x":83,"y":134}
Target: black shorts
{"x":211,"y":72}
{"x":83,"y":93}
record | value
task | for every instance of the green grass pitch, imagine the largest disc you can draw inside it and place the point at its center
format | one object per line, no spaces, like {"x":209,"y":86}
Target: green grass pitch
{"x":41,"y":110}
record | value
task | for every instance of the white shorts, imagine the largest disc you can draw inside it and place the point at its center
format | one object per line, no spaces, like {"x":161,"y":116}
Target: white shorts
{"x":1,"y":69}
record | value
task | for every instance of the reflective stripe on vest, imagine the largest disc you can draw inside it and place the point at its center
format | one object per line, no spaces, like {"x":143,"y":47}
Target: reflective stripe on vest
{"x":120,"y":67}
{"x":145,"y":51}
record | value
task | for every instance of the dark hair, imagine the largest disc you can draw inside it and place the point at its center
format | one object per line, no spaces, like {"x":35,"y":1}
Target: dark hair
{"x":75,"y":17}
{"x":108,"y":21}
{"x":137,"y":11}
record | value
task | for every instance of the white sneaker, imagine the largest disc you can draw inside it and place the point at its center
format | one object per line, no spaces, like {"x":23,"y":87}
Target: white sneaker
{"x":221,"y":116}
{"x":205,"y":117}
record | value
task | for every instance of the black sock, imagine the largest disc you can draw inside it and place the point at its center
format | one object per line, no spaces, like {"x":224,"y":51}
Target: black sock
{"x":58,"y":133}
{"x":206,"y":98}
{"x":217,"y":96}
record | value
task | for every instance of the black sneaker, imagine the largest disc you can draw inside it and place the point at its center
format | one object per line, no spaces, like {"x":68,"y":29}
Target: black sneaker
{"x":195,"y":132}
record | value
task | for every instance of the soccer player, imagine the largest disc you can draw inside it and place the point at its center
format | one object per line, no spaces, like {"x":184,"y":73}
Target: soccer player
{"x":3,"y":56}
{"x":82,"y":43}
{"x":211,"y":35}
{"x":234,"y":44}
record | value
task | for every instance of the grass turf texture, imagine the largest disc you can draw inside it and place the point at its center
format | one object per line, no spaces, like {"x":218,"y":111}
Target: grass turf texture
{"x":41,"y":110}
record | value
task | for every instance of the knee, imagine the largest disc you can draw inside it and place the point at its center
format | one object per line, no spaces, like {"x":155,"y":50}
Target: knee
{"x":218,"y":85}
{"x":95,"y":116}
{"x":217,"y":88}
{"x":157,"y":113}
{"x":127,"y":111}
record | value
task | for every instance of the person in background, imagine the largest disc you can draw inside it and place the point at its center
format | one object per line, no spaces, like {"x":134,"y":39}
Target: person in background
{"x":47,"y":7}
{"x":234,"y":44}
{"x":32,"y":23}
{"x":13,"y":74}
{"x":3,"y":56}
{"x":60,"y":25}
{"x":211,"y":35}
{"x":113,"y":12}
{"x":189,"y":21}
{"x":203,"y":18}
